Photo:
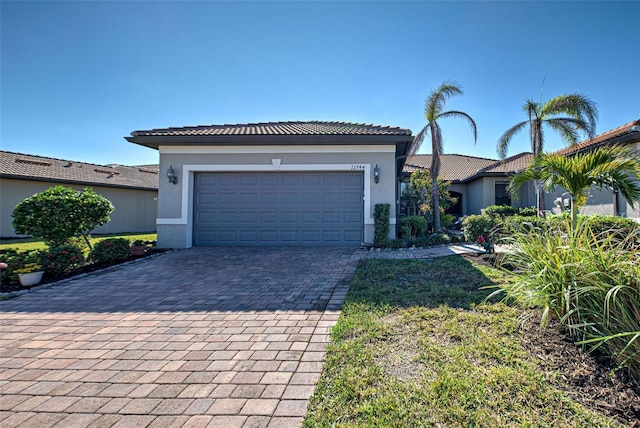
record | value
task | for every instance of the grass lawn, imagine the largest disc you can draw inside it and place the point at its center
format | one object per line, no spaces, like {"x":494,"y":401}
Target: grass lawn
{"x":33,"y":244}
{"x":416,"y":346}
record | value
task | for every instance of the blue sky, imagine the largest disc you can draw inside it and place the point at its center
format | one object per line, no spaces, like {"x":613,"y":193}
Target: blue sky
{"x":76,"y":77}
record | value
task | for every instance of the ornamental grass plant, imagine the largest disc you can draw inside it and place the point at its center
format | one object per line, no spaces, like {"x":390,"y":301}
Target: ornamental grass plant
{"x":589,"y":281}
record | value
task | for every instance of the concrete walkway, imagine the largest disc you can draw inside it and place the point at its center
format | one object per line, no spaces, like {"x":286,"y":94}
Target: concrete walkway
{"x":206,"y":337}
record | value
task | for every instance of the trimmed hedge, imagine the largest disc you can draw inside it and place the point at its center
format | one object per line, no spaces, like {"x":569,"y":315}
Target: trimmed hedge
{"x":381,"y":220}
{"x":507,"y":211}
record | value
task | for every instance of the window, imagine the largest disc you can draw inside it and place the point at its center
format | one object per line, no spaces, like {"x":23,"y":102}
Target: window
{"x":502,"y":196}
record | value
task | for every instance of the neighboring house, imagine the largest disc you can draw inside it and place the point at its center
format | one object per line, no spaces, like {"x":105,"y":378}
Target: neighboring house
{"x":277,"y":183}
{"x":476,"y":182}
{"x":133,"y":191}
{"x":480,"y":182}
{"x":602,"y":201}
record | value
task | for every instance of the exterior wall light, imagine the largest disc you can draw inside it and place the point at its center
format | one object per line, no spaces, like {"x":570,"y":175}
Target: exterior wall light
{"x":376,"y":174}
{"x":171,"y":175}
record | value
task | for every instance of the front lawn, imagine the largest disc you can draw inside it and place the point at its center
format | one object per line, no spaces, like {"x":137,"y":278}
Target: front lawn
{"x":416,"y":346}
{"x":28,"y":244}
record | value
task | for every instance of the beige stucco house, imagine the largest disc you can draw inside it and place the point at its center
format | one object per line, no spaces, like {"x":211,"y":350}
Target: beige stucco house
{"x":133,"y":191}
{"x":278,"y":183}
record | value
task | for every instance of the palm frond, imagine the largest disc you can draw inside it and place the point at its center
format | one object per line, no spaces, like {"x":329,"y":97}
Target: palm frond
{"x":531,"y":108}
{"x":566,"y":127}
{"x":505,"y":139}
{"x":462,"y":115}
{"x":577,"y":106}
{"x":418,"y":140}
{"x":520,"y":178}
{"x":436,"y":99}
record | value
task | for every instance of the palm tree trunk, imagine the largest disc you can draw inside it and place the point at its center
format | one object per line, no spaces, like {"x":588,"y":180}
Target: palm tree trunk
{"x":435,"y":203}
{"x":536,"y":148}
{"x":574,"y":213}
{"x":540,"y":197}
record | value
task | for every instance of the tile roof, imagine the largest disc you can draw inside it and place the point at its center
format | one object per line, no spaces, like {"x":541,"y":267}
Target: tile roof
{"x":452,"y":167}
{"x":603,"y":138}
{"x":278,"y":128}
{"x":511,"y":164}
{"x":29,"y":167}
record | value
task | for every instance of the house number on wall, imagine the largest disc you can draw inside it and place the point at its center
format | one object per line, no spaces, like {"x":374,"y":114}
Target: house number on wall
{"x":357,"y":167}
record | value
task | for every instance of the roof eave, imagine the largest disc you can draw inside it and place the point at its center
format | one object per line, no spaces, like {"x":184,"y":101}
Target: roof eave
{"x":76,"y":182}
{"x":154,"y":141}
{"x":626,"y":138}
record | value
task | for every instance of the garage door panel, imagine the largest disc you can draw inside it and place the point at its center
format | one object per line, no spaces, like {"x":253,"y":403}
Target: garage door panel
{"x":289,"y":198}
{"x":269,"y":216}
{"x":289,"y":216}
{"x":311,"y":217}
{"x":306,"y":208}
{"x":248,"y":197}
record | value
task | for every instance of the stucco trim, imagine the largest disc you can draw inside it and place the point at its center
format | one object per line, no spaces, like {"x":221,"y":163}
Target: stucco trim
{"x":276,"y":149}
{"x":187,"y":185}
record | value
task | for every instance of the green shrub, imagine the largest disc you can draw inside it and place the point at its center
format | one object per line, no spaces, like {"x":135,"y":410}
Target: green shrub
{"x":62,"y":259}
{"x":110,"y":250}
{"x":60,"y":213}
{"x":476,"y":225}
{"x":412,"y":227}
{"x":507,"y":211}
{"x":590,"y":282}
{"x":446,"y":220}
{"x":396,"y":243}
{"x":18,"y":261}
{"x":517,"y":223}
{"x":434,"y":239}
{"x":381,"y":219}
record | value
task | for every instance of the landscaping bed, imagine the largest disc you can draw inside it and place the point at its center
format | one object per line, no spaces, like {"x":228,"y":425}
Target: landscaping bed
{"x":591,"y":379}
{"x":15,"y":286}
{"x":416,"y":345}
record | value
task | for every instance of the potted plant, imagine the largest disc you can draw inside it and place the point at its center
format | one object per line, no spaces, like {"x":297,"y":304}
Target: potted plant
{"x":138,"y":247}
{"x":30,"y":274}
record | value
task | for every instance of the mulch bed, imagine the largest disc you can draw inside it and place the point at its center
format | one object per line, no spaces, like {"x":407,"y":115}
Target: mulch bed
{"x":87,"y":268}
{"x":591,"y":379}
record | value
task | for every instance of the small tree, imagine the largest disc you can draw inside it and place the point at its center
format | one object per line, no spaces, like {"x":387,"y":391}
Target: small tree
{"x":420,"y":191}
{"x":60,"y":213}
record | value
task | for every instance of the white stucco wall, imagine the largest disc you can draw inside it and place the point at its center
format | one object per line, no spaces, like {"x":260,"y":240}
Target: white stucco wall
{"x":134,"y":210}
{"x":175,"y":202}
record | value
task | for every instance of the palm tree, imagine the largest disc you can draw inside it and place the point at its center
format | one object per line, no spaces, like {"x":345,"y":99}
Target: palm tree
{"x":581,"y":115}
{"x":609,"y":167}
{"x":433,"y":110}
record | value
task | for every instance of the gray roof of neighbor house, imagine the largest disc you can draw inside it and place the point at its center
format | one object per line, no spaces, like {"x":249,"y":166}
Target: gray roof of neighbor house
{"x":624,"y":134}
{"x":461,"y":168}
{"x":38,"y":168}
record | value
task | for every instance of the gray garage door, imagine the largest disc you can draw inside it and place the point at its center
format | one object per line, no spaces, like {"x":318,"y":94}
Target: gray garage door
{"x":301,"y":208}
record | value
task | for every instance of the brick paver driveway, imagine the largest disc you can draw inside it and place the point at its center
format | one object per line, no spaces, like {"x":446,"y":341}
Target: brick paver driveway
{"x":201,"y":337}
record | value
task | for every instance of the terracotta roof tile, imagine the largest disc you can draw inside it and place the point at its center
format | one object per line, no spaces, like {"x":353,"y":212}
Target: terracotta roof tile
{"x":453,"y":167}
{"x":600,"y":139}
{"x":511,"y":164}
{"x":277,"y":128}
{"x":30,"y":167}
